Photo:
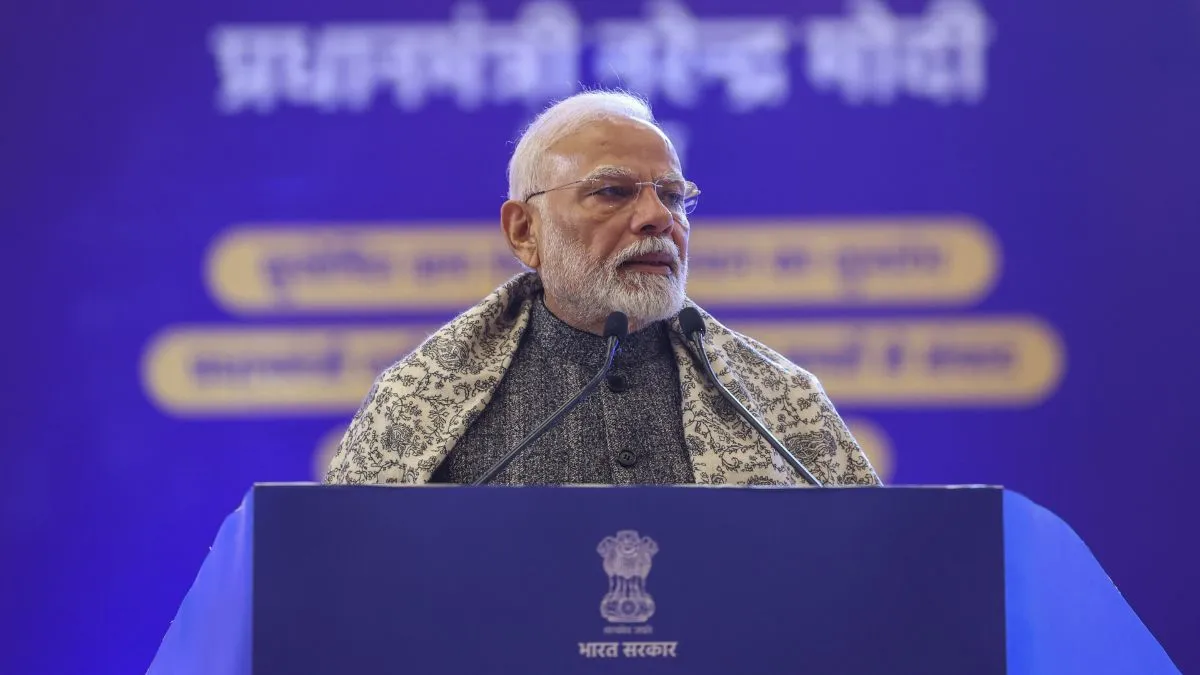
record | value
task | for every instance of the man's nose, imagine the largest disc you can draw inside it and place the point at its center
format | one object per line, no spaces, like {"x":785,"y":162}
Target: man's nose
{"x":652,"y":216}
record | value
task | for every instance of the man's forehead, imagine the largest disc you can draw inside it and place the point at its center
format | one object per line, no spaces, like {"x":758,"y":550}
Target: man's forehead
{"x":627,"y":144}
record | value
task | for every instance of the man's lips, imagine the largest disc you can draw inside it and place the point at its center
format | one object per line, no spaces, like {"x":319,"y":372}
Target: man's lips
{"x":663,"y":260}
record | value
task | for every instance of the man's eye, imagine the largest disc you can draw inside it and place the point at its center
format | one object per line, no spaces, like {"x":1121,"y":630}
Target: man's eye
{"x":671,"y":197}
{"x":615,"y":191}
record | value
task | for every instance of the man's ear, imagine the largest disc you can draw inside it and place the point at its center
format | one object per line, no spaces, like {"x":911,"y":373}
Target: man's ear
{"x":516,"y":219}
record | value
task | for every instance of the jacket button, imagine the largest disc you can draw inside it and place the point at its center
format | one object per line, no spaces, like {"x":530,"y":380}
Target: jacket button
{"x":627,"y":458}
{"x":617,"y":382}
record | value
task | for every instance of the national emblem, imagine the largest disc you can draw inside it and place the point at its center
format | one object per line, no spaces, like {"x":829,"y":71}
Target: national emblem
{"x":627,"y":563}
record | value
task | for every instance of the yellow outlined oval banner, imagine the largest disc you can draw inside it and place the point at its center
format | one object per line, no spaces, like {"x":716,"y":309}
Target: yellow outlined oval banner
{"x":893,"y":363}
{"x":282,"y":269}
{"x":902,"y":363}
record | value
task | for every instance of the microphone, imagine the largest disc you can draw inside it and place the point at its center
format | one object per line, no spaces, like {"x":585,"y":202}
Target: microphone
{"x":693,"y":329}
{"x":616,"y":326}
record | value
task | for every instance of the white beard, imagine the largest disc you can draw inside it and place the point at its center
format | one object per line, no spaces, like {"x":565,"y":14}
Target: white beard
{"x":590,"y":289}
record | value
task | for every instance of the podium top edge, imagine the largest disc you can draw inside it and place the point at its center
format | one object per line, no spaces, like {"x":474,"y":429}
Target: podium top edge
{"x":302,"y":484}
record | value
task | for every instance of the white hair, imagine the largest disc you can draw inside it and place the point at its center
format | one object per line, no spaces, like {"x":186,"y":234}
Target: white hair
{"x":531,"y":166}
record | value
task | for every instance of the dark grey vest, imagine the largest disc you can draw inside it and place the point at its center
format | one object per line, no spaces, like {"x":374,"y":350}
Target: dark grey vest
{"x":629,"y":431}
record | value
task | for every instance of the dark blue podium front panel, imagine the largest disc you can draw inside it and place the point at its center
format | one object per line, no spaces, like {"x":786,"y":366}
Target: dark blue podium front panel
{"x":697,"y":580}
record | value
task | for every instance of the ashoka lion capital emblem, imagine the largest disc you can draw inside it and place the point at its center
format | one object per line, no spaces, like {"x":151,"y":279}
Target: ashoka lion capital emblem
{"x":627,"y":563}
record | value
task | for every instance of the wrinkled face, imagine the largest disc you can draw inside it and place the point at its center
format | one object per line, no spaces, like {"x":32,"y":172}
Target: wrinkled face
{"x":605,"y":243}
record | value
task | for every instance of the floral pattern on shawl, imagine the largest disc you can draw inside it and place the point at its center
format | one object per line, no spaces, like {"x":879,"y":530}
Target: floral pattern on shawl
{"x":420,"y":407}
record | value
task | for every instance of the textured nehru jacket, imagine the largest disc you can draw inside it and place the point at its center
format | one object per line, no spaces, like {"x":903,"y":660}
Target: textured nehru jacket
{"x":630,"y":430}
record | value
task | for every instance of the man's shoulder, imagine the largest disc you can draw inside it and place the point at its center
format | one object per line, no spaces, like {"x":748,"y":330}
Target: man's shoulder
{"x":752,"y":353}
{"x":474,"y":339}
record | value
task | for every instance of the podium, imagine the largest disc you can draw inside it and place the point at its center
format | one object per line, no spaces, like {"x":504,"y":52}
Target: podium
{"x":358,"y":580}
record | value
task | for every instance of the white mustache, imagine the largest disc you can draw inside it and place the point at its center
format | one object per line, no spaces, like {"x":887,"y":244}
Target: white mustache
{"x":647,"y":246}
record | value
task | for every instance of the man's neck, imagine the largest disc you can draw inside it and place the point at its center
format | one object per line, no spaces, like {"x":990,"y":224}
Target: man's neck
{"x":553,"y":339}
{"x":574,"y":317}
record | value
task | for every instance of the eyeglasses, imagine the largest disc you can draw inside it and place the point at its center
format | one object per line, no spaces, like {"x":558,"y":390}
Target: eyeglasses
{"x":614,"y":193}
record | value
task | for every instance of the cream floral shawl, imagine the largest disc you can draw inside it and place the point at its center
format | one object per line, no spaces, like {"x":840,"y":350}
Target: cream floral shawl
{"x":422,"y":405}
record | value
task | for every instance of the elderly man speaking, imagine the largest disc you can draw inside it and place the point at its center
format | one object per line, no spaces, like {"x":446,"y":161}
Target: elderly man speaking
{"x":598,"y":211}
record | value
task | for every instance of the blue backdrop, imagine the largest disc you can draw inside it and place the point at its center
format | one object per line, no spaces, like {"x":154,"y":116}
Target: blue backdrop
{"x":974,"y":221}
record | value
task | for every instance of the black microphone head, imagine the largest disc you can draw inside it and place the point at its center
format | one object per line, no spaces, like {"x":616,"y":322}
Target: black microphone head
{"x":616,"y":325}
{"x":690,"y":321}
